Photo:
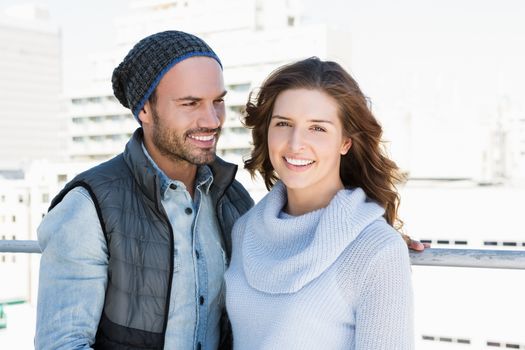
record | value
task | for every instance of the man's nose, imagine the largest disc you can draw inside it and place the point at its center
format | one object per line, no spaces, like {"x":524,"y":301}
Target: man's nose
{"x":210,"y":118}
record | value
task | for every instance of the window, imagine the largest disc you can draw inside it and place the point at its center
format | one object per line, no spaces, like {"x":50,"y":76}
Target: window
{"x":96,"y":119}
{"x":45,"y":197}
{"x":61,"y":177}
{"x":243,"y":87}
{"x":94,"y":100}
{"x":13,"y":218}
{"x":20,"y":198}
{"x":78,"y":101}
{"x":237,"y":109}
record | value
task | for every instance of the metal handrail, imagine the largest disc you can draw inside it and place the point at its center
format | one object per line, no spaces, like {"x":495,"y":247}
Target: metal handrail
{"x":19,"y":246}
{"x":479,"y":258}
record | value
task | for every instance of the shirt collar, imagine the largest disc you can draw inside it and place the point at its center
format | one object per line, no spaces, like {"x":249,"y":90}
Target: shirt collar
{"x":204,"y":177}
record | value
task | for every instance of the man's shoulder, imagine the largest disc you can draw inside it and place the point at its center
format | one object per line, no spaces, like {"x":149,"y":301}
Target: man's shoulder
{"x":224,"y":180}
{"x":239,"y":196}
{"x":111,"y":168}
{"x":93,"y":177}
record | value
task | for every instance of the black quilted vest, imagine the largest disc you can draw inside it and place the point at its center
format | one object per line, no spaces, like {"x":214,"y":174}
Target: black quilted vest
{"x":126,"y":193}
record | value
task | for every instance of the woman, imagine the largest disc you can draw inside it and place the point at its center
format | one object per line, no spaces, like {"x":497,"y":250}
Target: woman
{"x":317,"y":263}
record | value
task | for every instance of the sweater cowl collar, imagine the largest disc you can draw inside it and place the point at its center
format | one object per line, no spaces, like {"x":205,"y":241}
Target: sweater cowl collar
{"x":281,"y":254}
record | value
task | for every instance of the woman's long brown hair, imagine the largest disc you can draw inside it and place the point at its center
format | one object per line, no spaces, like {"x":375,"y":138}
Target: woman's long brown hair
{"x":365,"y":165}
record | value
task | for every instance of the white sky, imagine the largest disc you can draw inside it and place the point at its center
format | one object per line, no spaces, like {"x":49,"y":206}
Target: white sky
{"x":86,"y":25}
{"x":446,"y":35}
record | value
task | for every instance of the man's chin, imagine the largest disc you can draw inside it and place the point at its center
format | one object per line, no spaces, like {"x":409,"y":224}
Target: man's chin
{"x":204,"y":159}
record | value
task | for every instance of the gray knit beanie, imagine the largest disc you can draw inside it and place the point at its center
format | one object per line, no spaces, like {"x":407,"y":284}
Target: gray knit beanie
{"x":135,"y":79}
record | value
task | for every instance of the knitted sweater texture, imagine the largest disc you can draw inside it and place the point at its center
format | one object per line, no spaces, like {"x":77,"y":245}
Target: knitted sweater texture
{"x":334,"y":278}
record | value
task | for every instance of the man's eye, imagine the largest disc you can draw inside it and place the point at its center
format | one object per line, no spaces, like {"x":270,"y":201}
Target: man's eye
{"x":220,"y":100}
{"x":190,"y":104}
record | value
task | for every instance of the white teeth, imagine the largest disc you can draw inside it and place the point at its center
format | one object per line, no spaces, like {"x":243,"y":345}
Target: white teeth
{"x":298,"y":162}
{"x":202,"y":138}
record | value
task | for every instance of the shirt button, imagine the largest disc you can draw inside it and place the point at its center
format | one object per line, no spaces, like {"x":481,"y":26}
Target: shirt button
{"x":201,"y":300}
{"x":173,"y":186}
{"x":199,"y":346}
{"x":197,"y":255}
{"x":188,"y":211}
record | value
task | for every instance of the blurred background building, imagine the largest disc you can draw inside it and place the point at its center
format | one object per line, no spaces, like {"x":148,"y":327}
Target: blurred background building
{"x":30,"y":87}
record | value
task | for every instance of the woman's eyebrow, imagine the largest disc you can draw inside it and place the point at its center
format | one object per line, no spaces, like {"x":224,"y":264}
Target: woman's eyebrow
{"x":277,"y":116}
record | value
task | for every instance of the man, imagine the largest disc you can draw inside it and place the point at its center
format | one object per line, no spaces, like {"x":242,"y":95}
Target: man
{"x":134,"y":250}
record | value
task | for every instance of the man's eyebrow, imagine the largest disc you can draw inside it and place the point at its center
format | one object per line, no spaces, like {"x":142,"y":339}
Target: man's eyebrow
{"x":277,"y":116}
{"x":197,"y":99}
{"x":189,"y":98}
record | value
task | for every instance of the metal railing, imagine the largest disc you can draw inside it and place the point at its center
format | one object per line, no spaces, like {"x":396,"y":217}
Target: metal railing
{"x":19,"y":246}
{"x":480,"y":258}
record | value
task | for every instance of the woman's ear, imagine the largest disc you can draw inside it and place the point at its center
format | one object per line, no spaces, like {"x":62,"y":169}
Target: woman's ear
{"x":347,"y":144}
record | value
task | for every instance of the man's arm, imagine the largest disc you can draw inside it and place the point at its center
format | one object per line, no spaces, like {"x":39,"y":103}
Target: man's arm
{"x":73,"y":274}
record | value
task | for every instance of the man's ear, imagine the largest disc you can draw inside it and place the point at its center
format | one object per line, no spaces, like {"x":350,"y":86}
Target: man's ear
{"x":347,"y":144}
{"x":145,"y":113}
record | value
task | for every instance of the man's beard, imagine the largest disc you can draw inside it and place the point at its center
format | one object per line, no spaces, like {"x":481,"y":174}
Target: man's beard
{"x":174,"y":146}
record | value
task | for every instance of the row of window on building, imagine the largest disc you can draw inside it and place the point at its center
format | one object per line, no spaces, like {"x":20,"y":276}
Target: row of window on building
{"x":8,"y":258}
{"x":101,"y":138}
{"x":22,"y":198}
{"x":112,"y":118}
{"x":95,"y":100}
{"x":7,"y":218}
{"x":467,"y":341}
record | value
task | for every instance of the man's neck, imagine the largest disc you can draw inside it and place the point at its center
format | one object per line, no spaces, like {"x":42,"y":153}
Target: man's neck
{"x":179,"y":170}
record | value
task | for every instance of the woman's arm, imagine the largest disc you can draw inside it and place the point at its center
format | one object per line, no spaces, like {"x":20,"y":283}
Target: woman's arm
{"x":384,"y":316}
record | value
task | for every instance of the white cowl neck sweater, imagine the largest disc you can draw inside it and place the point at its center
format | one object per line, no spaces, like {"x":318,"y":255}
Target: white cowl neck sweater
{"x":334,"y":278}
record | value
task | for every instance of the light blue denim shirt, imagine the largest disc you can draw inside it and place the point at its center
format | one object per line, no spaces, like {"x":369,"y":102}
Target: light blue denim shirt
{"x":73,"y":269}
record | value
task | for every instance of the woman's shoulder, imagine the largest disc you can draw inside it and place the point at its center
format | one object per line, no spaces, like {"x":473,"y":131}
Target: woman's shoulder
{"x":377,"y":239}
{"x":379,"y":249}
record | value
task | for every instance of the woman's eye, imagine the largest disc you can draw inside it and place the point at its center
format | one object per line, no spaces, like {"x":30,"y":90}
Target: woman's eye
{"x":318,"y":128}
{"x":282,"y":124}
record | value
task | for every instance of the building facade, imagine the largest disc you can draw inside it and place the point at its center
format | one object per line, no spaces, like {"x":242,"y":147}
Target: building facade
{"x":251,"y":37}
{"x":30,"y":85}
